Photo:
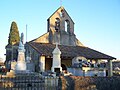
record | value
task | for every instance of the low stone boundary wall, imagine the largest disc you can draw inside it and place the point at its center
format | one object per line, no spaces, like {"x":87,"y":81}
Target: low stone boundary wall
{"x":51,"y":81}
{"x":29,"y":82}
{"x":89,"y":83}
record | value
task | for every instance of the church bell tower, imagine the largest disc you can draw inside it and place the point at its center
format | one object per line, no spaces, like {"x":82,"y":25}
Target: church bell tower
{"x":61,"y":28}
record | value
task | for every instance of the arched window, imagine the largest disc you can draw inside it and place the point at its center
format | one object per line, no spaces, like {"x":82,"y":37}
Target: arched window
{"x":67,"y":26}
{"x":57,"y":24}
{"x":62,"y":14}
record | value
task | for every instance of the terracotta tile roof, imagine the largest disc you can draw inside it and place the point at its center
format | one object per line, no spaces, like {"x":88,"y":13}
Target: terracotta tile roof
{"x":69,"y":51}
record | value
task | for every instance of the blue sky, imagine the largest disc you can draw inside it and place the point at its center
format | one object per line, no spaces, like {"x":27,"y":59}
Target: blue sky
{"x":97,"y":22}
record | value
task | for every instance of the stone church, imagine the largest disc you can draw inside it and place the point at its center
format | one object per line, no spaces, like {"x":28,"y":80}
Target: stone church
{"x":60,"y":29}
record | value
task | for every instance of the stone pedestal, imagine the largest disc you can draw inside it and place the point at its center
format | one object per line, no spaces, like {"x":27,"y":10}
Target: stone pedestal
{"x":110,"y":68}
{"x":21,"y":65}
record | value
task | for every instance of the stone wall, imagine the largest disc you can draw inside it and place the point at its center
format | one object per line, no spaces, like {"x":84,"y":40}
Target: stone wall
{"x":89,"y":83}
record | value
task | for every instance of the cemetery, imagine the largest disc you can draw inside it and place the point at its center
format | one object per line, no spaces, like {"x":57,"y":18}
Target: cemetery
{"x":57,"y":60}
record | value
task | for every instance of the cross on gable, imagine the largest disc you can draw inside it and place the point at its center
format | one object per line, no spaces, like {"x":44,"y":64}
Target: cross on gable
{"x":60,"y":2}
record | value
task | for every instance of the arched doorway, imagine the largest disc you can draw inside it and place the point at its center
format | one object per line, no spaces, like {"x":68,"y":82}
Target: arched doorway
{"x":63,"y":67}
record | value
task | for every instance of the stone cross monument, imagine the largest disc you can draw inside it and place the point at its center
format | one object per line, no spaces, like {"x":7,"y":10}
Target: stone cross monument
{"x":21,"y":64}
{"x":56,"y":65}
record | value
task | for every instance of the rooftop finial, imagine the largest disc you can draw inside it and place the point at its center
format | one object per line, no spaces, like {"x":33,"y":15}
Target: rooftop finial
{"x":60,"y":2}
{"x":26,"y":32}
{"x":22,"y":38}
{"x":56,"y":45}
